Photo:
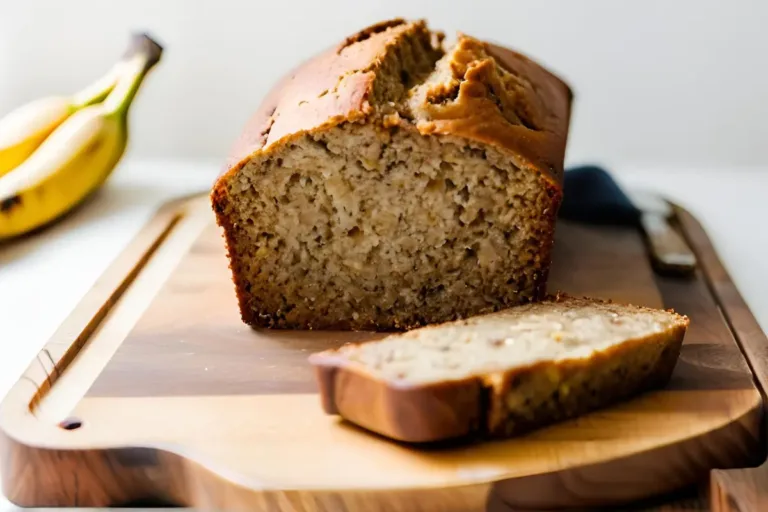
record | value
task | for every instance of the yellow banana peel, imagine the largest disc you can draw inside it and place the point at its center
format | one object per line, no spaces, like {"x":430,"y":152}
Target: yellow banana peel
{"x":79,"y":154}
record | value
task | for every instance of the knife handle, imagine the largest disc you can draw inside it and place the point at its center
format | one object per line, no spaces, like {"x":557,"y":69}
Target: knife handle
{"x":670,"y":253}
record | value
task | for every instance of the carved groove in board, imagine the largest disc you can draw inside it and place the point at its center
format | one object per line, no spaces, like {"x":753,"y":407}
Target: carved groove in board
{"x":107,"y":336}
{"x":73,"y":350}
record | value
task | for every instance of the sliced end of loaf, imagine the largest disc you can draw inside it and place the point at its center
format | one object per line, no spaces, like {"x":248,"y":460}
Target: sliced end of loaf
{"x":369,"y":386}
{"x":362,"y":227}
{"x":358,"y":198}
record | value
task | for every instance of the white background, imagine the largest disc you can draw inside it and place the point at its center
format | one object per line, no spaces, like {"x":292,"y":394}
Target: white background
{"x":681,"y":82}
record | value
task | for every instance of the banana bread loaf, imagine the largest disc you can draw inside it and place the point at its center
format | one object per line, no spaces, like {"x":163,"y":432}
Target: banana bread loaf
{"x":501,"y":374}
{"x":388,"y":183}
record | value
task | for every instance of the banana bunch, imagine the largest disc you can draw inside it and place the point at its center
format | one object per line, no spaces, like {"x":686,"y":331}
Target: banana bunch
{"x":56,"y":151}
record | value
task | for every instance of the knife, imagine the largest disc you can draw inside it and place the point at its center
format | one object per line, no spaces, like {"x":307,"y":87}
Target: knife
{"x":593,"y":197}
{"x":670,"y":253}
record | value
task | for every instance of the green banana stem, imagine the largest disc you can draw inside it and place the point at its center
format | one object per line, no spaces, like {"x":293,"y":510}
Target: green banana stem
{"x":98,"y":90}
{"x":142,"y":57}
{"x":140,"y":45}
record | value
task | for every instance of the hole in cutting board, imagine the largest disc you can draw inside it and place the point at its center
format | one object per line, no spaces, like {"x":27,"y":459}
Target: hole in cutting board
{"x":71,"y":424}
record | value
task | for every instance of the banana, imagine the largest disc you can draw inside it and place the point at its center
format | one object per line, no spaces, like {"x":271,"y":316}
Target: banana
{"x":77,"y":157}
{"x":23,"y":129}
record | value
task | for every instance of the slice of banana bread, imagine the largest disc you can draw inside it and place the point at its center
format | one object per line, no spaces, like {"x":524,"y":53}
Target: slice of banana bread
{"x":388,"y":183}
{"x":501,"y":374}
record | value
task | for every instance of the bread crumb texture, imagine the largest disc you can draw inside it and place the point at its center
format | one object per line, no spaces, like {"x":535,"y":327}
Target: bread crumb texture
{"x":388,"y":183}
{"x":515,"y":370}
{"x":518,"y":337}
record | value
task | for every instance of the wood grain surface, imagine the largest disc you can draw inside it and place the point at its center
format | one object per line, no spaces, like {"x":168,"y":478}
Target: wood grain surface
{"x":176,"y":401}
{"x":740,"y":490}
{"x":193,"y":324}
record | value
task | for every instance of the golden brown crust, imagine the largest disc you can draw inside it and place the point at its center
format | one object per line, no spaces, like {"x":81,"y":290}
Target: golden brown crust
{"x":553,"y":96}
{"x":334,"y":86}
{"x":329,"y":88}
{"x":606,"y":377}
{"x":430,"y":413}
{"x":219,"y":200}
{"x":474,"y":407}
{"x":499,"y":97}
{"x":528,"y":122}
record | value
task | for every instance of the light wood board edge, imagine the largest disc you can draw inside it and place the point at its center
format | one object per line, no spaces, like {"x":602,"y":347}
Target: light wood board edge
{"x":23,"y":434}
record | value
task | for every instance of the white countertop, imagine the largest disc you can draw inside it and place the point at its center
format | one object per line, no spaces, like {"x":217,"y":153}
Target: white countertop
{"x":43,"y":278}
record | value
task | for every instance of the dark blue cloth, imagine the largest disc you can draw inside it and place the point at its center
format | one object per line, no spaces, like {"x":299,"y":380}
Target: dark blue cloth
{"x":592,"y":196}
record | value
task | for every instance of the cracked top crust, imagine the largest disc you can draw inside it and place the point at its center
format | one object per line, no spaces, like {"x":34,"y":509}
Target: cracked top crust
{"x":478,"y":91}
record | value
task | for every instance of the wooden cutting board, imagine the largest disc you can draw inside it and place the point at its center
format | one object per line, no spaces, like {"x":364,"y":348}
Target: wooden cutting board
{"x":154,"y":390}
